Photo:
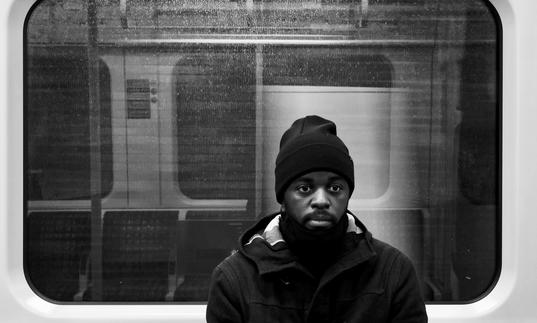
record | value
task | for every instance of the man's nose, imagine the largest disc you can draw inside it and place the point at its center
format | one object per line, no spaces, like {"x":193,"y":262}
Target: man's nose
{"x":320,"y":199}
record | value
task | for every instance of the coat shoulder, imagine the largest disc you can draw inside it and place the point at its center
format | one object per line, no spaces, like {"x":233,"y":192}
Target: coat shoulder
{"x":236,"y":265}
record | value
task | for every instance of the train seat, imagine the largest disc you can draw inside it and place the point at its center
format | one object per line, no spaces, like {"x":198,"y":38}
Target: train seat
{"x":204,"y":239}
{"x":138,"y":254}
{"x":56,"y":257}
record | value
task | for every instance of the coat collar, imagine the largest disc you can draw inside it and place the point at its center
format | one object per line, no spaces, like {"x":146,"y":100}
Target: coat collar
{"x":264,"y":245}
{"x":272,"y":234}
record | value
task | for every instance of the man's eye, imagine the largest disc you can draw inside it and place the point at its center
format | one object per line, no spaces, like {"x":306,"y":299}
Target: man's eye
{"x":303,"y":188}
{"x":335,"y":188}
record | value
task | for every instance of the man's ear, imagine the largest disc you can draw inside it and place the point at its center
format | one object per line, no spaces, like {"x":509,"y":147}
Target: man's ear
{"x":282,"y":208}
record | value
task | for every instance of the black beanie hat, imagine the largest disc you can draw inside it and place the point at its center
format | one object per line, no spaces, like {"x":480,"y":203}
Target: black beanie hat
{"x":311,"y":144}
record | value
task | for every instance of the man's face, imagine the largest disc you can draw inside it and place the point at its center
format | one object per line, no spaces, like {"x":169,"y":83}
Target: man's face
{"x":317,"y":200}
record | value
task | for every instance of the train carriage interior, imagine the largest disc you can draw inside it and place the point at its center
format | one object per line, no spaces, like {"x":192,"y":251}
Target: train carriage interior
{"x":152,"y":128}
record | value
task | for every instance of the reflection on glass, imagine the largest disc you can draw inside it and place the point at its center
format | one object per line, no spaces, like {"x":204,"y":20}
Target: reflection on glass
{"x":193,"y":97}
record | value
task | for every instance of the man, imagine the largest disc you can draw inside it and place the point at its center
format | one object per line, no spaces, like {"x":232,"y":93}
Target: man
{"x":314,"y":261}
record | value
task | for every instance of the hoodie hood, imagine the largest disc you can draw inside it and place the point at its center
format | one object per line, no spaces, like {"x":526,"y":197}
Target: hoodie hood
{"x":264,"y":245}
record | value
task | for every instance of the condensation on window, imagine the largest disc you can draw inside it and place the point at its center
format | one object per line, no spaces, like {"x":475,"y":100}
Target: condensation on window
{"x":152,"y":127}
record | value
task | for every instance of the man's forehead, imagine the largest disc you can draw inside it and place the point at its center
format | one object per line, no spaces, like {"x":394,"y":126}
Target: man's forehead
{"x":319,"y":176}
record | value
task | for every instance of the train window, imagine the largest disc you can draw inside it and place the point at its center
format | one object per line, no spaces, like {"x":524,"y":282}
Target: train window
{"x":58,"y":125}
{"x":214,"y":90}
{"x":152,"y":130}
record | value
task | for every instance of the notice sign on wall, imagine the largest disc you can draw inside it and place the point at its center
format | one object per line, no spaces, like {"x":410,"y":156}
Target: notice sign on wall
{"x":138,"y":99}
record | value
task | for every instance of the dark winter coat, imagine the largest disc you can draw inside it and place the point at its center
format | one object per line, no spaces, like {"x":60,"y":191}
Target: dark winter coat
{"x":263,"y":282}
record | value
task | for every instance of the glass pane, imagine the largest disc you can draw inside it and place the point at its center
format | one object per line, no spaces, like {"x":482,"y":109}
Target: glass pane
{"x":58,"y":125}
{"x":216,"y":124}
{"x":192,"y":99}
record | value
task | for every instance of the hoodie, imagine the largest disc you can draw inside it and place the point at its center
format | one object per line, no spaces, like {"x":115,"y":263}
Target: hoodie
{"x":263,"y":281}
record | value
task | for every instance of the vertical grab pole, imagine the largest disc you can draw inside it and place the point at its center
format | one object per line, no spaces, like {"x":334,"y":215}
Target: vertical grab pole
{"x":259,"y":131}
{"x":95,"y":154}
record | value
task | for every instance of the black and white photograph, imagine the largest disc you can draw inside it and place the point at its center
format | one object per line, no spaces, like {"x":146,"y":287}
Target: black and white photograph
{"x":250,"y":161}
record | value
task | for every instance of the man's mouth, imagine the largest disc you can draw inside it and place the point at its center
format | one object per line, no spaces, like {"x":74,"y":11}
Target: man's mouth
{"x":319,"y":221}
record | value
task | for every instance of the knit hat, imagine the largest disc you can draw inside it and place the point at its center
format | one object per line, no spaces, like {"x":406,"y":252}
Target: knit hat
{"x":311,"y":144}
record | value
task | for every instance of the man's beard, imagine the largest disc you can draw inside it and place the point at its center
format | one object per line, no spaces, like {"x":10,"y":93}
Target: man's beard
{"x":316,"y":249}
